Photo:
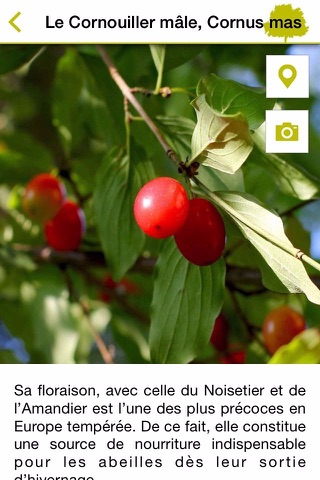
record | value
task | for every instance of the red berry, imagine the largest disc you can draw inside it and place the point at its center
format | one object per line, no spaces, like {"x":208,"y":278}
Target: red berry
{"x":234,"y":357}
{"x":109,"y":282}
{"x":161,"y":207}
{"x":43,"y":197}
{"x":219,"y":336}
{"x":65,"y":231}
{"x":280,"y":326}
{"x":123,"y":287}
{"x":201,"y":240}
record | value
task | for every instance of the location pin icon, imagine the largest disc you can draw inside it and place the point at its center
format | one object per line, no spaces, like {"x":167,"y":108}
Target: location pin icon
{"x":290,"y":75}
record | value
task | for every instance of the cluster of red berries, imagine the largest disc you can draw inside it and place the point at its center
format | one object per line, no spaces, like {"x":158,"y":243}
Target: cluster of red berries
{"x":162,"y":208}
{"x":45,"y":201}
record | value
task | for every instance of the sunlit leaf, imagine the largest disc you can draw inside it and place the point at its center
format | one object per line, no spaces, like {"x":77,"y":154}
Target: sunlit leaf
{"x":231,"y":98}
{"x":278,"y":267}
{"x":304,"y":348}
{"x":219,"y":141}
{"x":217,"y":180}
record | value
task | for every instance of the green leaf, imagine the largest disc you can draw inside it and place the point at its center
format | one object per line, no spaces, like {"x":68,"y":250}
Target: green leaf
{"x":186,"y":301}
{"x":118,"y":181}
{"x":21,"y":157}
{"x":177,"y":55}
{"x":79,"y":107}
{"x":6,"y":357}
{"x":304,"y":348}
{"x":219,"y":141}
{"x":13,"y":57}
{"x":215,"y":180}
{"x":158,"y":53}
{"x":167,"y":57}
{"x":130,"y":337}
{"x":231,"y":98}
{"x":43,"y":318}
{"x":178,"y":132}
{"x":16,"y":260}
{"x":292,"y":180}
{"x":298,"y":235}
{"x":257,"y":223}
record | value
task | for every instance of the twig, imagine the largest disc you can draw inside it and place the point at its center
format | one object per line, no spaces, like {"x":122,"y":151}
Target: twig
{"x":77,"y":259}
{"x":127,"y":93}
{"x":144,"y":91}
{"x":105,"y":354}
{"x":93,"y":280}
{"x":251,"y":329}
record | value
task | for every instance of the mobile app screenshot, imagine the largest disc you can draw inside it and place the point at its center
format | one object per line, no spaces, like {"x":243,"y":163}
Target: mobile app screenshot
{"x":159,"y":240}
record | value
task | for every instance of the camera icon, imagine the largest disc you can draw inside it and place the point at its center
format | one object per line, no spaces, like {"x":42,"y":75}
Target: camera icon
{"x":287,"y":132}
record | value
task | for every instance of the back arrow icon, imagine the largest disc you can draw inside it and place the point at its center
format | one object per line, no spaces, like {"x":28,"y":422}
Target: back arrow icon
{"x":12,"y":20}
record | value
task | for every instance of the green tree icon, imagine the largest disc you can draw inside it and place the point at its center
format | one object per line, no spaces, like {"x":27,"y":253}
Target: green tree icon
{"x":286,"y":22}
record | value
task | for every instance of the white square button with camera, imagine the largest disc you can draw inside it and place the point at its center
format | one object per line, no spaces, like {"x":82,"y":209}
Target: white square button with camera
{"x":287,"y":76}
{"x":287,"y":131}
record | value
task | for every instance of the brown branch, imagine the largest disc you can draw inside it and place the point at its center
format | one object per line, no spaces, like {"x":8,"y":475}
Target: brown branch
{"x":127,"y":93}
{"x":46,"y":255}
{"x":4,"y":213}
{"x":77,"y":259}
{"x":165,"y":92}
{"x":120,"y":299}
{"x":144,"y":91}
{"x":243,"y":276}
{"x":105,"y":354}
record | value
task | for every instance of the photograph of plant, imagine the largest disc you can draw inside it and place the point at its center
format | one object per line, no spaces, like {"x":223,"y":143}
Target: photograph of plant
{"x":141,"y":219}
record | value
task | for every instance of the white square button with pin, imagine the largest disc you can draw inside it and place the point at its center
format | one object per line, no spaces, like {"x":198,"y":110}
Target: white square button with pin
{"x":287,"y":76}
{"x":287,"y":131}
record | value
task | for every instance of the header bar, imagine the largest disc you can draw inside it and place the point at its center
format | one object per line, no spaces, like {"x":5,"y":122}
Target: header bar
{"x":142,"y":22}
